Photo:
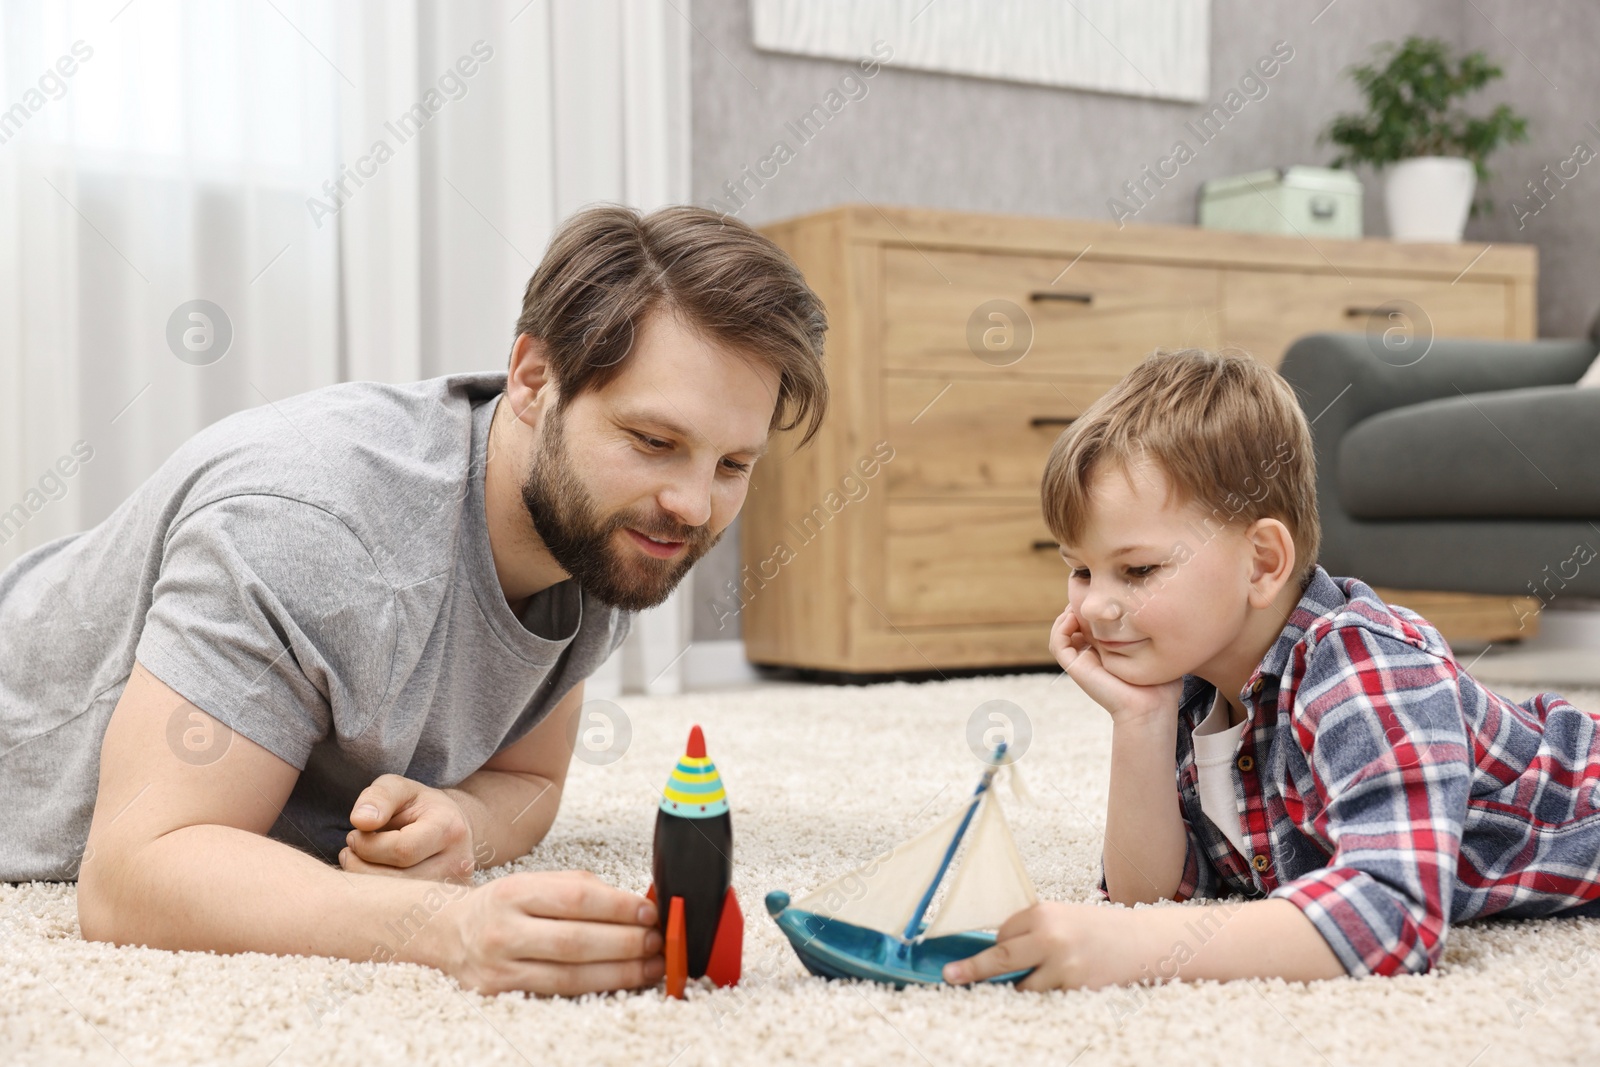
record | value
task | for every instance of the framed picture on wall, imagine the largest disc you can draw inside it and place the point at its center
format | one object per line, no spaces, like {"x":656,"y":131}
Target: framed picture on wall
{"x":1153,"y":48}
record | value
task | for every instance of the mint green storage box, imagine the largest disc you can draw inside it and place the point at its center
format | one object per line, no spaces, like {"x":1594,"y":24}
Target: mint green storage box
{"x":1307,"y":201}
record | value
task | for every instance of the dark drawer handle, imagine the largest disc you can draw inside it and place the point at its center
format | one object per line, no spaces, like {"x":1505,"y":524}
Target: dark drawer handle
{"x":1071,"y":298}
{"x":1052,"y":420}
{"x":1367,"y":312}
{"x":1039,"y":546}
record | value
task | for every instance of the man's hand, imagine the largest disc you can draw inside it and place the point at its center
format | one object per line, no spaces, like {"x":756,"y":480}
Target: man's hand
{"x":1070,"y":946}
{"x":409,"y":830}
{"x":1073,"y":648}
{"x":549,"y":932}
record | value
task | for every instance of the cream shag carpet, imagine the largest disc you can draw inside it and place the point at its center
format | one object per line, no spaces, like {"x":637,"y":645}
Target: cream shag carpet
{"x":820,"y":779}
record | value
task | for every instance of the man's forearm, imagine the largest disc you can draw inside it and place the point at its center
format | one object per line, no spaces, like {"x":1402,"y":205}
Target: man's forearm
{"x":219,"y":888}
{"x":1247,"y":939}
{"x":1145,"y":842}
{"x":509,"y":813}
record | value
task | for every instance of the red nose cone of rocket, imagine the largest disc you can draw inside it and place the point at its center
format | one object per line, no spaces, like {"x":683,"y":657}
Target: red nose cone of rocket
{"x":697,"y":743}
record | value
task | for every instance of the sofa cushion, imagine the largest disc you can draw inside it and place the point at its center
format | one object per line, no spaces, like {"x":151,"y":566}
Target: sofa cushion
{"x":1531,"y":453}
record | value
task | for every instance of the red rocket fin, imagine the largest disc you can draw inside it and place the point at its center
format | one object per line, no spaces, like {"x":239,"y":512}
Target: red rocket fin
{"x":650,"y":894}
{"x":677,"y":950}
{"x":727,"y":948}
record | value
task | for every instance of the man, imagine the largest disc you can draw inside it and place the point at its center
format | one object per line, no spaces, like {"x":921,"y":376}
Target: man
{"x":387,"y":598}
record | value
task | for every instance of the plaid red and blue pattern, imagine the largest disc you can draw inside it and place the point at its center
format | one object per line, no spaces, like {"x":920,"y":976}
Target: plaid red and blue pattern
{"x":1387,"y":794}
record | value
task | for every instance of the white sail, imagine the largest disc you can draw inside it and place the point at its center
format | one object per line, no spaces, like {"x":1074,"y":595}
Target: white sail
{"x":991,"y":884}
{"x":882,"y":894}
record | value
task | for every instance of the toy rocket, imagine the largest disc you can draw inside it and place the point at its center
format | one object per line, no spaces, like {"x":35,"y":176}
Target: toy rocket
{"x":692,"y":872}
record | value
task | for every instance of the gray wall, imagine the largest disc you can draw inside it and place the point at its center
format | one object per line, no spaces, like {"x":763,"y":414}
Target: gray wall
{"x":1548,"y":53}
{"x":923,"y":139}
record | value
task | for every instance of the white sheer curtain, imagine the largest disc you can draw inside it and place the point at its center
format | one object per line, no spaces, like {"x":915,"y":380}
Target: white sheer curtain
{"x":159,"y":152}
{"x":170,"y":165}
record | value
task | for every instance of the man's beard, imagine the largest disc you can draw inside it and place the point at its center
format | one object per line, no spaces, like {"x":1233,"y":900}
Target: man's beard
{"x":583,"y":544}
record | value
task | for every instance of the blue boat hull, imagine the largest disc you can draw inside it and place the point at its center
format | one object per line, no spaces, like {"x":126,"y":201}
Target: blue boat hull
{"x":833,"y":948}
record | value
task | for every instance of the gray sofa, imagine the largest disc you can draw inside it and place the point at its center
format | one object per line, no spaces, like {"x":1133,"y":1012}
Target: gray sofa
{"x":1474,"y":469}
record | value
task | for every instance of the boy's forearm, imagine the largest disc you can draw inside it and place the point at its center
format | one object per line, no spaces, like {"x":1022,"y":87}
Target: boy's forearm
{"x":1145,"y":842}
{"x":219,"y":888}
{"x":1247,"y":939}
{"x":509,"y":813}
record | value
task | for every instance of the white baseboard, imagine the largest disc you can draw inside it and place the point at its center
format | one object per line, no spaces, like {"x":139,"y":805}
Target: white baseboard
{"x":705,"y":665}
{"x":1575,"y":625}
{"x":714,"y":664}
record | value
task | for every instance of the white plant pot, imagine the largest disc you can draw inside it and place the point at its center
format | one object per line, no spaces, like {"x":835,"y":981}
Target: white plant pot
{"x":1428,"y":198}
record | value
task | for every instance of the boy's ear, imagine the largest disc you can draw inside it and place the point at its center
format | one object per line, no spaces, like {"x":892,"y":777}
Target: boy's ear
{"x":1272,"y":560}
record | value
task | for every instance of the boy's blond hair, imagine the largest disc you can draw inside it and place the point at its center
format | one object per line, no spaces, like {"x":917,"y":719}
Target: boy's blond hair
{"x":1225,"y":428}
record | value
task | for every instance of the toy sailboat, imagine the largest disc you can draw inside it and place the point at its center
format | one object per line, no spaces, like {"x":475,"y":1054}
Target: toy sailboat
{"x":871,"y":923}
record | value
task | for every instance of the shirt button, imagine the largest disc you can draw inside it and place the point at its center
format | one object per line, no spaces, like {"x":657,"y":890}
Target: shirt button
{"x":1259,"y":862}
{"x":1246,"y":762}
{"x":1256,"y":688}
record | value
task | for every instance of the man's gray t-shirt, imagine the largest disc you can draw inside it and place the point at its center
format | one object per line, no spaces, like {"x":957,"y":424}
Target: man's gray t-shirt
{"x":316,"y":575}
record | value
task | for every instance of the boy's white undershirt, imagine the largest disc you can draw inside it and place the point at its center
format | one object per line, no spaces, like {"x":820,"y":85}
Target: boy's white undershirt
{"x":1215,"y":743}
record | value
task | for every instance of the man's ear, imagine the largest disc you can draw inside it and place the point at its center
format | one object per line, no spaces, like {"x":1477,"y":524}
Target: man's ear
{"x":1272,"y":560}
{"x":528,"y":378}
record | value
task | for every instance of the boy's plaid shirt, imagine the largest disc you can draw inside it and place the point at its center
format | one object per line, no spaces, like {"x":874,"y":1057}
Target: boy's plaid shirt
{"x":1388,"y":794}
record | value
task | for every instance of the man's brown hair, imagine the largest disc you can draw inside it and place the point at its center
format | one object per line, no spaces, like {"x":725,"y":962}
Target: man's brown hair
{"x":1226,"y":429}
{"x":610,"y":266}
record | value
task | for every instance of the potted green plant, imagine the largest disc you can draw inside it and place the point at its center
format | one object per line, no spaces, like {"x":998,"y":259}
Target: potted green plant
{"x":1412,"y":125}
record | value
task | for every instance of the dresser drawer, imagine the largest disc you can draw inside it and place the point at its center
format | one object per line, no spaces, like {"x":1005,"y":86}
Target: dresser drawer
{"x":1264,"y":313}
{"x":971,"y":564}
{"x":1097,"y":319}
{"x":976,"y":438}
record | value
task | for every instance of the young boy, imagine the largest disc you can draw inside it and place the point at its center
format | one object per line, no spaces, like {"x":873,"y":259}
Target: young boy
{"x":1335,"y":764}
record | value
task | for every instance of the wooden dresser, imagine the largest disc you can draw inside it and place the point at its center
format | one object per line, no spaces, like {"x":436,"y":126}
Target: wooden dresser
{"x":937,"y":556}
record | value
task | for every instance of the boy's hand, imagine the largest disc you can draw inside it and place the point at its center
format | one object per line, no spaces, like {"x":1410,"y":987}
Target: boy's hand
{"x":1073,"y":648}
{"x":1070,"y":946}
{"x":410,"y":830}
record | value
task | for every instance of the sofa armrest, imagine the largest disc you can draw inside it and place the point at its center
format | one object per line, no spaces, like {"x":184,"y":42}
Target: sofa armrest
{"x":1341,"y":380}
